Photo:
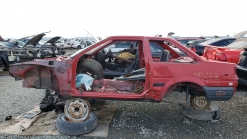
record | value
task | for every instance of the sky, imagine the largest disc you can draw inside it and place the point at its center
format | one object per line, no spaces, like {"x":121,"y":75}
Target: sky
{"x":69,"y":18}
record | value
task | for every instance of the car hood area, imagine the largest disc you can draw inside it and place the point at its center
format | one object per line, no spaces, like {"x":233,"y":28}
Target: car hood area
{"x":32,"y":40}
{"x":52,"y":41}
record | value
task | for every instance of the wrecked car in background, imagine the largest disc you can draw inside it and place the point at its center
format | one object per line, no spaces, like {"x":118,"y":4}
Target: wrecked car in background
{"x":230,"y":53}
{"x":10,"y":53}
{"x":26,"y":49}
{"x":233,"y":53}
{"x":199,"y":48}
{"x":64,"y":43}
{"x":78,"y":78}
{"x":219,"y":42}
{"x":185,"y":40}
{"x":16,"y":50}
{"x":192,"y":43}
{"x":48,"y":48}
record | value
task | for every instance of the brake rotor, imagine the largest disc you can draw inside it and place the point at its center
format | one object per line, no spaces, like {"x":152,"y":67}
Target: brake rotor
{"x":77,"y":110}
{"x":199,"y":102}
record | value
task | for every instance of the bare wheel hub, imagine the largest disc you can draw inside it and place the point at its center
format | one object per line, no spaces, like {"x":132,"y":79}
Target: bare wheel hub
{"x":77,"y":110}
{"x":199,"y":102}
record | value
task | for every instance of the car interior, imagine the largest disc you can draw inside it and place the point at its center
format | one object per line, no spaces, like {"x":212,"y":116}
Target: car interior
{"x":117,"y":72}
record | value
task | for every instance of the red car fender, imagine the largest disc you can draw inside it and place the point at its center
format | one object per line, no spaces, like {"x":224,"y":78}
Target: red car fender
{"x":171,"y":84}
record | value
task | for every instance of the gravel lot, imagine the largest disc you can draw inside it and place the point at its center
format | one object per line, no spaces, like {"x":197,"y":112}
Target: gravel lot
{"x":139,"y":119}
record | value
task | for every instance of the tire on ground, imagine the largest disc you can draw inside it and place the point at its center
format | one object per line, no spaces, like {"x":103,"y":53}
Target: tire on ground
{"x":92,"y":66}
{"x":76,"y":128}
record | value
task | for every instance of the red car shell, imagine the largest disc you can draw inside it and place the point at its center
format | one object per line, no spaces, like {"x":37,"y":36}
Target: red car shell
{"x":222,"y":54}
{"x":205,"y":77}
{"x":229,"y":53}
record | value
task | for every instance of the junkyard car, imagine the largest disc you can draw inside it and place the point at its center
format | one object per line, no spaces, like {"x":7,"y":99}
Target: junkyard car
{"x":48,"y":48}
{"x":187,"y":39}
{"x":10,"y":53}
{"x":219,"y":42}
{"x":149,"y":78}
{"x":192,"y":43}
{"x":199,"y":48}
{"x":64,"y":43}
{"x":234,"y":53}
{"x":230,"y":53}
{"x":28,"y":49}
{"x":78,"y":44}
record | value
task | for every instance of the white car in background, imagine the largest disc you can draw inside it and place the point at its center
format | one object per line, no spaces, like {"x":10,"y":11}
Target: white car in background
{"x":78,"y":44}
{"x":64,"y":43}
{"x":119,"y":46}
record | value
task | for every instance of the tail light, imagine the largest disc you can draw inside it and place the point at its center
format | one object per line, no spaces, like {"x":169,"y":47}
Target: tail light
{"x":220,"y":57}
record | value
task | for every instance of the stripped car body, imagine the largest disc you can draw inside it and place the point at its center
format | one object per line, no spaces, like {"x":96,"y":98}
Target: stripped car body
{"x":155,"y":78}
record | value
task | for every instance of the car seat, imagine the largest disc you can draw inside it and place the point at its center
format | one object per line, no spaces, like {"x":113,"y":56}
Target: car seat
{"x":164,"y":56}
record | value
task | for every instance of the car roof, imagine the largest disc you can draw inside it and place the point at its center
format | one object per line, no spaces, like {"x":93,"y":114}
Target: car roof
{"x":215,"y":40}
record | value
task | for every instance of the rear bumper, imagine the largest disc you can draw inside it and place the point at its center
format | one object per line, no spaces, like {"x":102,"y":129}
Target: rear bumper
{"x":219,"y":93}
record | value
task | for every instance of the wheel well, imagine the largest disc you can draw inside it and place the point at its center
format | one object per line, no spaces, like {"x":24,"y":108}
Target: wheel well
{"x":194,"y":88}
{"x":40,"y":77}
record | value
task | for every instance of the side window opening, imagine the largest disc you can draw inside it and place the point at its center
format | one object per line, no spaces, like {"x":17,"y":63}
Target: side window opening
{"x":164,"y":51}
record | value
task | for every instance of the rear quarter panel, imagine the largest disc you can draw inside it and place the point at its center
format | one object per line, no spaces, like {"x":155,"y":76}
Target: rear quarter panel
{"x":205,"y":73}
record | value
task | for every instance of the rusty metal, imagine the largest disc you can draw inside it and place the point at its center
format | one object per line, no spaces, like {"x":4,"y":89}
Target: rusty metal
{"x":107,"y":85}
{"x":199,"y":102}
{"x":138,"y":90}
{"x":77,"y":110}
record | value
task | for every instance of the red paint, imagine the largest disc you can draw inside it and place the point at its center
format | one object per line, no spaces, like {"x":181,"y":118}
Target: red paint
{"x":195,"y":69}
{"x":216,"y":53}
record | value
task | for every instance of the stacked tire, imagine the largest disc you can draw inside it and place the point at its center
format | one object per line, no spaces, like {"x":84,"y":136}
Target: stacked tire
{"x":76,"y":128}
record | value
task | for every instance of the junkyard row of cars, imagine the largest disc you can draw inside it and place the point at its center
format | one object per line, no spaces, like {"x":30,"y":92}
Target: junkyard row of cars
{"x":139,"y":68}
{"x":36,"y":47}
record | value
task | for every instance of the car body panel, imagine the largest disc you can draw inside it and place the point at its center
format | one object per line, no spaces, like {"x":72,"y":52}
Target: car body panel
{"x":199,"y":48}
{"x":33,"y":40}
{"x":231,"y":52}
{"x":160,"y":77}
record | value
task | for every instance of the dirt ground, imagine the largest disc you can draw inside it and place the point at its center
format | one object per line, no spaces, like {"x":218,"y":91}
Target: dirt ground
{"x":139,"y":119}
